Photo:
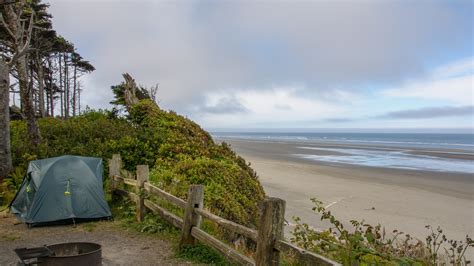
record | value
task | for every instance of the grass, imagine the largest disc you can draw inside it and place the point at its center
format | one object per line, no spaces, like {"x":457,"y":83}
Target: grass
{"x":89,"y":227}
{"x":200,"y":253}
{"x":123,"y":212}
{"x":11,"y":237}
{"x":3,"y":208}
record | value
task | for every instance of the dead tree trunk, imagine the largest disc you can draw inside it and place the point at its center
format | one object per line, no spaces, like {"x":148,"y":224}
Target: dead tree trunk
{"x":5,"y":150}
{"x":130,"y":91}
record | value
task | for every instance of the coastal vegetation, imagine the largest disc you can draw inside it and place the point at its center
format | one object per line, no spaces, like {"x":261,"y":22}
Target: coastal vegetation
{"x":46,"y":68}
{"x":365,"y":244}
{"x":177,"y":150}
{"x":180,"y":153}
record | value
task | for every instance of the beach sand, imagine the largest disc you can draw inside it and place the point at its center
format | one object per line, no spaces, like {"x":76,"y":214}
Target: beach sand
{"x":406,"y":200}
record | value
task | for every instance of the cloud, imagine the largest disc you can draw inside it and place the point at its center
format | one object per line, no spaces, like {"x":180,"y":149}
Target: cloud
{"x":282,"y":106}
{"x":226,"y":105}
{"x":195,"y":48}
{"x":462,"y":67}
{"x":262,"y":63}
{"x":453,"y":83}
{"x":276,"y":107}
{"x":339,"y":120}
{"x":431,"y":112}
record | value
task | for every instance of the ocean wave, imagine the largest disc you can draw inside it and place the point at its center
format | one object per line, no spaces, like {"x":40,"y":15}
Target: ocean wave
{"x":467,"y":143}
{"x":391,"y":159}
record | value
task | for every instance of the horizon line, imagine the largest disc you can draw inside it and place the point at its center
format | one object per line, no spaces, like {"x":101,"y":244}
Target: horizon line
{"x":462,"y":130}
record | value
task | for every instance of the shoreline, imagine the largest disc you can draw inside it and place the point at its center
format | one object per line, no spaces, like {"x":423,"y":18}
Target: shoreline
{"x":406,"y":200}
{"x":446,"y":153}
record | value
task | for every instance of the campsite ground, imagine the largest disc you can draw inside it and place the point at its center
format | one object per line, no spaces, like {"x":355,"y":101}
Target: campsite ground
{"x":119,"y":246}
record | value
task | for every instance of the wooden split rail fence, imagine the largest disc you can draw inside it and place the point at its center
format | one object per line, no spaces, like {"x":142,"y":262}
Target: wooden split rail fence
{"x":269,"y":236}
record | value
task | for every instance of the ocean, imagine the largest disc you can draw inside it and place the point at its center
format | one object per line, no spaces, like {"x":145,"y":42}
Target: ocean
{"x":387,"y":150}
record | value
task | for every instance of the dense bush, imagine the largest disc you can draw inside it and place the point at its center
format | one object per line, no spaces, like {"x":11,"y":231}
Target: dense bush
{"x":188,"y":155}
{"x":178,"y":151}
{"x":91,"y":134}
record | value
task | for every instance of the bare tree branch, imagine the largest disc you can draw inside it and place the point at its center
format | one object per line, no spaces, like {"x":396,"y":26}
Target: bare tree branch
{"x":30,"y":32}
{"x":5,"y":25}
{"x":25,"y":49}
{"x":18,"y":55}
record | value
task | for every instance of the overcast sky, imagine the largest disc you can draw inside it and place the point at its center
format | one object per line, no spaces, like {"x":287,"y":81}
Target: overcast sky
{"x":284,"y":64}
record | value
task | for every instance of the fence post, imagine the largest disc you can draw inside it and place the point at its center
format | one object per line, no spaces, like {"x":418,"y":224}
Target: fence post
{"x":115,"y":164}
{"x":142,"y":177}
{"x":191,"y":218}
{"x":270,"y":230}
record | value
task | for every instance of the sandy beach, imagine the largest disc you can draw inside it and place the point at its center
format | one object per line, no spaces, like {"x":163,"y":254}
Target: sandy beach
{"x":406,"y":200}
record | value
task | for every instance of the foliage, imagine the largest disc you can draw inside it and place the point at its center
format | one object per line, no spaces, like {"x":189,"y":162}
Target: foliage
{"x":10,"y":185}
{"x":90,"y":134}
{"x":370,"y":245}
{"x":186,"y":154}
{"x":200,"y":253}
{"x":455,"y":252}
{"x":177,"y":150}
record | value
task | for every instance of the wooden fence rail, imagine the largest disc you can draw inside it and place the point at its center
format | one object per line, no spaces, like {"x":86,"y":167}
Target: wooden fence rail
{"x":269,"y":236}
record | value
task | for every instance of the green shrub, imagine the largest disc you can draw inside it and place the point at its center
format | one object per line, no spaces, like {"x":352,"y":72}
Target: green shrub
{"x":202,"y":254}
{"x":10,"y":185}
{"x":177,"y":150}
{"x":187,"y":155}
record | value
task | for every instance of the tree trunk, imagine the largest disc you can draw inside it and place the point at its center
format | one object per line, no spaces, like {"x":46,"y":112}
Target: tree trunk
{"x":130,"y":91}
{"x":74,"y":92}
{"x":66,"y":87}
{"x":31,"y":88}
{"x":79,"y":97}
{"x":5,"y":150}
{"x":21,"y":45}
{"x":61,"y":91}
{"x":40,"y":86}
{"x":26,"y":102}
{"x":51,"y":96}
{"x":51,"y":90}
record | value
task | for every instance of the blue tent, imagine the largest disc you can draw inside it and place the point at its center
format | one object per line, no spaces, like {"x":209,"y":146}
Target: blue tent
{"x":65,"y":188}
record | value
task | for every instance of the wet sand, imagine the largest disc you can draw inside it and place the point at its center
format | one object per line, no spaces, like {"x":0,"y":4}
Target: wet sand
{"x":406,"y":200}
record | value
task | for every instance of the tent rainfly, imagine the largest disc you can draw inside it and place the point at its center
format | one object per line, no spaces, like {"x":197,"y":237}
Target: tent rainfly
{"x":61,"y":189}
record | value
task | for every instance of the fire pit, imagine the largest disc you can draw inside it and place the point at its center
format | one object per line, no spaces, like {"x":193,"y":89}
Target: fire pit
{"x":76,"y":253}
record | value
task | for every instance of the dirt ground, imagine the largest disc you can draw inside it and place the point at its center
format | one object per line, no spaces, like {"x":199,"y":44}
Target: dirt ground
{"x":119,"y":246}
